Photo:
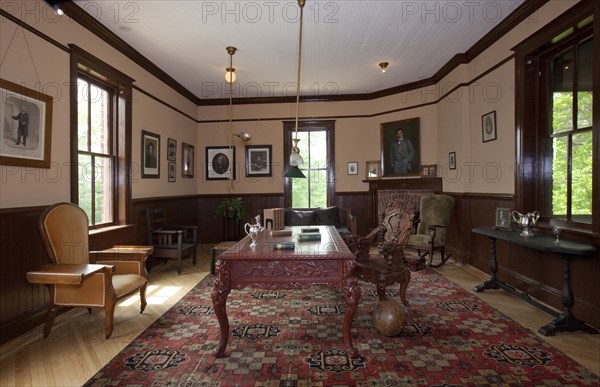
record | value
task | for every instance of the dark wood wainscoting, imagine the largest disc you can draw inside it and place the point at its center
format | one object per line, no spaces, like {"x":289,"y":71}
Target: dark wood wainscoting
{"x":23,"y":305}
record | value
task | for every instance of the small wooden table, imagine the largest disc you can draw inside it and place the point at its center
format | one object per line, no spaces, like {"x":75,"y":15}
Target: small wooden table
{"x":327,"y":262}
{"x":568,"y":250}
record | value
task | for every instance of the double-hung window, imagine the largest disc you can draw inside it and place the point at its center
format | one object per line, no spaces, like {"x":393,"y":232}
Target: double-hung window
{"x":100,"y":140}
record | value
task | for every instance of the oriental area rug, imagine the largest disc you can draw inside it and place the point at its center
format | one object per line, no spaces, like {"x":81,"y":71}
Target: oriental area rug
{"x":293,"y":338}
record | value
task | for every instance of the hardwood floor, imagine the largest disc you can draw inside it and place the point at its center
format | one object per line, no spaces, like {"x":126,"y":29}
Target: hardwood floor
{"x":76,"y":349}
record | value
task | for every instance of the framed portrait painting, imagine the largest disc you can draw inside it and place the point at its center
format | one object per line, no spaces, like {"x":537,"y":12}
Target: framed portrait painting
{"x":187,"y":160}
{"x":400,"y":148}
{"x":259,"y":160}
{"x":488,"y":126}
{"x":171,"y":171}
{"x":352,"y":168}
{"x":150,"y":155}
{"x":25,"y":125}
{"x":171,"y":149}
{"x":503,"y":218}
{"x":220,"y":162}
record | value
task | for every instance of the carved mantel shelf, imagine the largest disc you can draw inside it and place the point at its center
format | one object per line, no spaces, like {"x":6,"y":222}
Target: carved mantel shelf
{"x":434,"y":184}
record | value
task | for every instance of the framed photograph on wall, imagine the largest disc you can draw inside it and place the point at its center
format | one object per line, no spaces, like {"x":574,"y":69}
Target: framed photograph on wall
{"x":259,"y":160}
{"x":150,"y":155}
{"x":503,"y":218}
{"x":171,"y":171}
{"x":400,"y":148}
{"x":352,"y":167}
{"x":373,"y":170}
{"x":452,"y":160}
{"x":26,"y":126}
{"x":220,"y":162}
{"x":171,"y":149}
{"x":488,"y":126}
{"x":187,"y":160}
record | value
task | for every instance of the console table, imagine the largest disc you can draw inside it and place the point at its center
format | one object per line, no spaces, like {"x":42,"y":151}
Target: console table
{"x":568,"y":250}
{"x":327,"y":262}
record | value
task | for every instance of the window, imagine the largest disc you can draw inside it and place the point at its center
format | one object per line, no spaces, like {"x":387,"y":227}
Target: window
{"x":100,"y":140}
{"x":557,"y":141}
{"x":316,"y":148}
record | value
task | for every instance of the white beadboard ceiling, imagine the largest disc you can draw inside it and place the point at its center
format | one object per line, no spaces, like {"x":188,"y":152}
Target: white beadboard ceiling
{"x":343,"y":41}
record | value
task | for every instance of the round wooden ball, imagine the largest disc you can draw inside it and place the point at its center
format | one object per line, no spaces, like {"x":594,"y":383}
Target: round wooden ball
{"x":389,"y":317}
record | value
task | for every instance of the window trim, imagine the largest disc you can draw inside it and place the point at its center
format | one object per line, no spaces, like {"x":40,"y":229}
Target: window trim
{"x":82,"y":62}
{"x":529,"y":173}
{"x":288,"y":130}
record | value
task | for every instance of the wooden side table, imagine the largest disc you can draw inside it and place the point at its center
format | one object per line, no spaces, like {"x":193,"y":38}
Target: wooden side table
{"x":216,"y":250}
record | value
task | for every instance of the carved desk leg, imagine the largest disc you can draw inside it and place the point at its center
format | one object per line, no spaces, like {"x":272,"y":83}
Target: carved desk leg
{"x":352,"y":296}
{"x":219,"y":297}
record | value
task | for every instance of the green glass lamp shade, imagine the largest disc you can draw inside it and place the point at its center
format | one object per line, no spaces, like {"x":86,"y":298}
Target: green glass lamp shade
{"x":293,"y":172}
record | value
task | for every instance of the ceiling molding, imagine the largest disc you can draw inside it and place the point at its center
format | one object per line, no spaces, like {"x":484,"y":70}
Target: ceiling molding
{"x":87,"y":21}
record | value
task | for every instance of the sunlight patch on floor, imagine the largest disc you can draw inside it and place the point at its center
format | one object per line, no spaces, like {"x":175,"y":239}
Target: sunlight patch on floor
{"x":158,"y":295}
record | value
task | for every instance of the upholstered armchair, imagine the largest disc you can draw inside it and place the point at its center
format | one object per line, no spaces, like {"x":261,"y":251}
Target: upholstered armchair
{"x":79,"y":278}
{"x":430,"y":236}
{"x":388,"y":266}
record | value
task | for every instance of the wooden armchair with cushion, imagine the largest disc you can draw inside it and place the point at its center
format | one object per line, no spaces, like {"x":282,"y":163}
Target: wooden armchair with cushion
{"x":389,"y":266}
{"x":430,"y":236}
{"x":169,"y":241}
{"x":77,"y":277}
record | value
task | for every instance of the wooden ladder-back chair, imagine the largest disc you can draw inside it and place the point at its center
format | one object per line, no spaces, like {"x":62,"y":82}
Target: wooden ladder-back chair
{"x":389,"y":266}
{"x":169,"y":241}
{"x":434,"y":215}
{"x":64,"y":231}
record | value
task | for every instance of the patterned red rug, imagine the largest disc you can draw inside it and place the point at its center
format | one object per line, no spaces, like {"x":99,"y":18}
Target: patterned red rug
{"x":293,"y":338}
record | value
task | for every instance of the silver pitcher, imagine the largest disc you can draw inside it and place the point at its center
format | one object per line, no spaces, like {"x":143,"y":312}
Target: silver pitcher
{"x":526,"y":221}
{"x":253,"y":230}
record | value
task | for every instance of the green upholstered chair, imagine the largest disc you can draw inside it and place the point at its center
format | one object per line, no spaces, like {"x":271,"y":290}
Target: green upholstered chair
{"x":430,"y":236}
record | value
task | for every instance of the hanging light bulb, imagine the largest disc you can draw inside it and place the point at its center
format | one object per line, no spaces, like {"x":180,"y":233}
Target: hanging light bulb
{"x":383,"y":66}
{"x":230,"y":71}
{"x":296,"y":160}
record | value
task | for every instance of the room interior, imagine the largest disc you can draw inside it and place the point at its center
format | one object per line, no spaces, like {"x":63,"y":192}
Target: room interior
{"x":38,"y":48}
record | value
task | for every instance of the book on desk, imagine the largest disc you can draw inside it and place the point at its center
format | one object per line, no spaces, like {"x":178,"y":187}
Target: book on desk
{"x":309,"y":234}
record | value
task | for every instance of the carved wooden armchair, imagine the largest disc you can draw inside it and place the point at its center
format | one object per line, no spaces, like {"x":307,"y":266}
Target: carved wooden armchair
{"x":171,"y":242}
{"x":388,"y":266}
{"x":77,"y":277}
{"x":430,"y":236}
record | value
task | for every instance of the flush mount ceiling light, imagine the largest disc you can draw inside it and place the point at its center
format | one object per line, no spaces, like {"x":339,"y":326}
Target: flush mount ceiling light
{"x":383,"y":66}
{"x":296,"y":160}
{"x":230,"y":71}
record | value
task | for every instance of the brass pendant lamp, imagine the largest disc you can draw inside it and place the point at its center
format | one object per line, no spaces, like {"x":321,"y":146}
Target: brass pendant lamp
{"x":295,"y":159}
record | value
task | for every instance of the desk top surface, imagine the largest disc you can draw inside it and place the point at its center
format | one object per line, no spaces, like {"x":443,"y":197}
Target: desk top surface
{"x":331,"y":246}
{"x":537,"y":241}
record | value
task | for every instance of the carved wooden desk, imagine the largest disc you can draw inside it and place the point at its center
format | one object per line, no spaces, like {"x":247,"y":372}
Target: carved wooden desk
{"x":568,"y":250}
{"x":327,"y":262}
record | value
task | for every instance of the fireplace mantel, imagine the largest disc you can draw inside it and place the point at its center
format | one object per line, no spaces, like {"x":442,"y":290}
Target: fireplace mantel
{"x":381,"y":191}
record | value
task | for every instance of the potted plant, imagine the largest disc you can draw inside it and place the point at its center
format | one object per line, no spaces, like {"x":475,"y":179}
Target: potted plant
{"x":232,"y":207}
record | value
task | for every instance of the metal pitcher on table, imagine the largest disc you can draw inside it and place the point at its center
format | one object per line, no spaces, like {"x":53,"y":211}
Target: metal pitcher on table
{"x":253,"y":230}
{"x":526,"y":221}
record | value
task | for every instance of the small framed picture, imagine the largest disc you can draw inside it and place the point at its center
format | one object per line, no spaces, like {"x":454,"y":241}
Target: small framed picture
{"x":429,"y":170}
{"x":424,"y":170}
{"x":503,"y":218}
{"x":353,"y":168}
{"x":488,"y":126}
{"x":433,"y":170}
{"x":171,"y":171}
{"x":258,"y":160}
{"x":373,"y":170}
{"x":150,"y":155}
{"x":171,"y":149}
{"x":187,"y":160}
{"x":452,"y":160}
{"x":220,"y":162}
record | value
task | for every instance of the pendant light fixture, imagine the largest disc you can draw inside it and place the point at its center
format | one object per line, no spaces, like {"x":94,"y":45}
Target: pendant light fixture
{"x":296,"y":160}
{"x":230,"y":71}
